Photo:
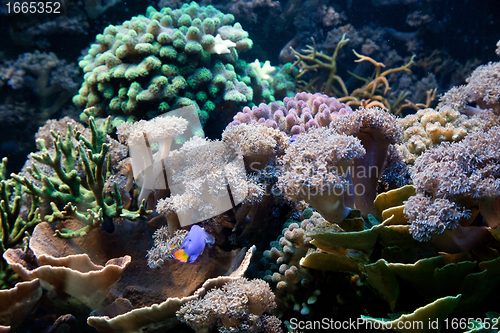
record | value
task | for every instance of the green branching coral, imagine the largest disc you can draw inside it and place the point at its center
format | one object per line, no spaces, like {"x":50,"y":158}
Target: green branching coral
{"x":83,"y":198}
{"x":12,"y":225}
{"x":166,"y":60}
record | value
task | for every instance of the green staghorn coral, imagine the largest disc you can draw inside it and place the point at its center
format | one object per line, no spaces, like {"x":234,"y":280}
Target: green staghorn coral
{"x":13,"y":226}
{"x":82,"y":198}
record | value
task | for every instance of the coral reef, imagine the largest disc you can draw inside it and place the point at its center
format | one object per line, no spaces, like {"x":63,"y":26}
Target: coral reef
{"x":15,"y":224}
{"x":260,"y":147}
{"x":52,"y":79}
{"x":257,"y":144}
{"x":166,"y":60}
{"x":482,"y":87}
{"x":454,"y":178}
{"x":34,"y":87}
{"x":373,"y":92}
{"x":140,"y":136}
{"x":201,"y":188}
{"x":83,"y":196}
{"x":397,"y":266}
{"x":17,"y":303}
{"x":237,"y":306}
{"x":428,"y":128}
{"x":366,"y":201}
{"x":294,"y":283}
{"x":396,"y":171}
{"x":163,"y":315}
{"x":165,"y":245}
{"x":297,"y":115}
{"x":376,"y":129}
{"x":315,"y":169}
{"x":74,"y":275}
{"x":163,"y":60}
{"x":96,"y":8}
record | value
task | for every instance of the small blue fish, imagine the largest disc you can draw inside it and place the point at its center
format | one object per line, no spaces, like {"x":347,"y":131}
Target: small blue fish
{"x":293,"y":138}
{"x":194,"y":244}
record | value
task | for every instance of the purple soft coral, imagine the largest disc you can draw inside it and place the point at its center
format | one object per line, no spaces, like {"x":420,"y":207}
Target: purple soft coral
{"x":297,"y":115}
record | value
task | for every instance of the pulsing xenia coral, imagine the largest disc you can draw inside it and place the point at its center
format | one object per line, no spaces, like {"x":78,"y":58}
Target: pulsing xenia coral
{"x":82,"y":197}
{"x":482,"y":89}
{"x":258,"y":144}
{"x":315,"y":167}
{"x":166,"y":60}
{"x":199,"y":176}
{"x":165,"y":244}
{"x":453,"y":178}
{"x":238,"y":306}
{"x":376,"y":129}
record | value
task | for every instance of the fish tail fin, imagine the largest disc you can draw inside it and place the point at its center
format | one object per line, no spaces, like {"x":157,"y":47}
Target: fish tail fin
{"x":209,"y":239}
{"x":181,"y":255}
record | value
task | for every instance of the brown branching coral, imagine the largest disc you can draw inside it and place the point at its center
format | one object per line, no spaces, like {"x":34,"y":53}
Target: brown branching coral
{"x":395,"y":173}
{"x":314,"y":169}
{"x":312,"y":60}
{"x":374,"y":91}
{"x":370,"y":94}
{"x":237,"y":306}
